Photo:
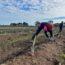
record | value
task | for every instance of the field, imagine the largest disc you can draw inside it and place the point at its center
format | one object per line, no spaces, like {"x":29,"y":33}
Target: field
{"x":15,"y":47}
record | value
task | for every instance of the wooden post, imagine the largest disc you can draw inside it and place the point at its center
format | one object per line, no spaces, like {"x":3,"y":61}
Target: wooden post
{"x":33,"y":46}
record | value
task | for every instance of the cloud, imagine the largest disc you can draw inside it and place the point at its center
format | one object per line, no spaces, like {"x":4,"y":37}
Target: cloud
{"x":32,"y":10}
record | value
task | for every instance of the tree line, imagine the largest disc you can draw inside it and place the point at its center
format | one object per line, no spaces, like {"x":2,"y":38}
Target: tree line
{"x":19,"y":24}
{"x":24,"y":24}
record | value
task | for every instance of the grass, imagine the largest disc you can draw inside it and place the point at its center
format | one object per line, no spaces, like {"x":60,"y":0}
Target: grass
{"x":20,"y":33}
{"x":6,"y":30}
{"x":14,"y":40}
{"x":26,"y":35}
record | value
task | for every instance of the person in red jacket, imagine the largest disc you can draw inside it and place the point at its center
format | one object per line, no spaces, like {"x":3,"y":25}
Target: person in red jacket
{"x":47,"y":27}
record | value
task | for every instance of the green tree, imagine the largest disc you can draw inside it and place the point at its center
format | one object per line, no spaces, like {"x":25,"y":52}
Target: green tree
{"x":25,"y":24}
{"x":13,"y":24}
{"x":19,"y":24}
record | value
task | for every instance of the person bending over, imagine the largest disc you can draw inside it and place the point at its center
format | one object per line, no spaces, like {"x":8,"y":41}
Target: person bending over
{"x":47,"y":27}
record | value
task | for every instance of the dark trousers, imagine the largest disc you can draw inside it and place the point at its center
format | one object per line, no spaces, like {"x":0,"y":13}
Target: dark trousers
{"x":51,"y":33}
{"x":60,"y":29}
{"x":38,"y":31}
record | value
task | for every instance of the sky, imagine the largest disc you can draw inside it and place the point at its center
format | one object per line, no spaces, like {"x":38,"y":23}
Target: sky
{"x":30,"y":11}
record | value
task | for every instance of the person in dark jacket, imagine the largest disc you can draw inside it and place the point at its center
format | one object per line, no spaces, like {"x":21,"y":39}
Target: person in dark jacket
{"x":60,"y":27}
{"x":47,"y":27}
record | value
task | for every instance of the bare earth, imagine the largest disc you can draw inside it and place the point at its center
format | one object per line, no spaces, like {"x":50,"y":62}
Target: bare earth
{"x":46,"y":52}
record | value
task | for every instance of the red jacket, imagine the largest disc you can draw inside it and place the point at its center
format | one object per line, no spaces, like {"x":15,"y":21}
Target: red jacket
{"x":46,"y":26}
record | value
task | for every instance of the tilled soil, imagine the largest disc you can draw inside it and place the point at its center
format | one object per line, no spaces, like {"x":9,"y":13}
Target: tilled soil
{"x":46,"y":53}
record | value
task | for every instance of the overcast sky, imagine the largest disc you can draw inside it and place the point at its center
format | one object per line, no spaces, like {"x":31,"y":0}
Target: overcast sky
{"x":31,"y":11}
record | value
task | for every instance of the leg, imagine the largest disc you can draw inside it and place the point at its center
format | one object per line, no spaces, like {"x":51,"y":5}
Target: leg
{"x":51,"y":36}
{"x":37,"y":32}
{"x":51,"y":33}
{"x":46,"y":34}
{"x":59,"y":33}
{"x":60,"y":29}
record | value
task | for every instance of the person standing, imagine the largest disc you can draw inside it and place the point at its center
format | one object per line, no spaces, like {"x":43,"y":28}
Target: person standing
{"x":61,"y":27}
